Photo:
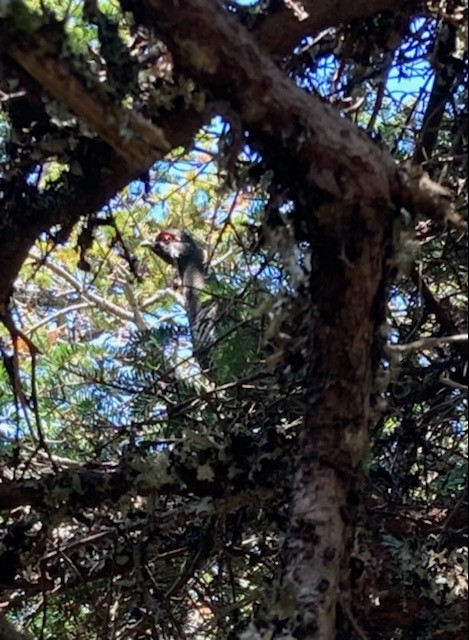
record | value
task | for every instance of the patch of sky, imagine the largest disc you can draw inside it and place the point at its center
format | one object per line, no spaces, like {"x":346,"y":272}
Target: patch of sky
{"x":34,"y":175}
{"x":201,"y":198}
{"x":8,"y":430}
{"x":411,"y":71}
{"x":169,"y":176}
{"x":459,"y":427}
{"x":408,"y":81}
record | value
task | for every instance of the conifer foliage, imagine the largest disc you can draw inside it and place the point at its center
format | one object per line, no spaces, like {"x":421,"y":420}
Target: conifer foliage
{"x":268,"y":441}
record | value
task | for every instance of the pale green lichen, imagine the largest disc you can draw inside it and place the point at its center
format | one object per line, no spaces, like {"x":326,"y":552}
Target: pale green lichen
{"x":205,"y":472}
{"x":152,"y":472}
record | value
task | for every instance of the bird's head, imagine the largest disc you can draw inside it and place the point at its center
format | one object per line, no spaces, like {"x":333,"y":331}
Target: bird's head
{"x":177,"y":248}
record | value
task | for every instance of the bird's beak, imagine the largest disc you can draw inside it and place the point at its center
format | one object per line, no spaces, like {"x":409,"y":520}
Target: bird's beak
{"x":147,"y":243}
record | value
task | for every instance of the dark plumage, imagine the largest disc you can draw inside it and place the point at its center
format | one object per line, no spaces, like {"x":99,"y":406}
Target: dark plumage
{"x":179,"y":249}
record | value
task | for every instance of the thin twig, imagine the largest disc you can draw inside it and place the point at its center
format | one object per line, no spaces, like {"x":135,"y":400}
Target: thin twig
{"x":427,"y":343}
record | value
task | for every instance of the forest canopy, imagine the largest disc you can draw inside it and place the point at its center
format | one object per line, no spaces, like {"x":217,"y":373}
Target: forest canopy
{"x":233,"y":332}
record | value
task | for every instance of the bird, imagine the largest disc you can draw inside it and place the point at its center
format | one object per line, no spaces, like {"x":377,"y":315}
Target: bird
{"x":179,"y":249}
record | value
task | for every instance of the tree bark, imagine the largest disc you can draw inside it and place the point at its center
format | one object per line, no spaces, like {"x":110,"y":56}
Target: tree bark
{"x":280,"y":31}
{"x":348,"y":296}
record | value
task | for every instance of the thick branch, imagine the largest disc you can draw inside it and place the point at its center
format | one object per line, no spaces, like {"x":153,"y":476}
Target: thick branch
{"x":78,"y":197}
{"x":172,"y":472}
{"x":28,"y":212}
{"x":9,"y":632}
{"x":329,"y":151}
{"x":306,"y":141}
{"x":136,"y":140}
{"x":333,"y":155}
{"x":447,"y":68}
{"x":279,"y":32}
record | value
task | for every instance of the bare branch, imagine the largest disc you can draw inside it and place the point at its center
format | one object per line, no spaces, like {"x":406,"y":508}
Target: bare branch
{"x":280,"y":31}
{"x":427,"y":343}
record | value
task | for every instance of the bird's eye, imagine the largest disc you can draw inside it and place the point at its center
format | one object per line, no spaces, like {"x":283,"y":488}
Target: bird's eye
{"x":165,"y":237}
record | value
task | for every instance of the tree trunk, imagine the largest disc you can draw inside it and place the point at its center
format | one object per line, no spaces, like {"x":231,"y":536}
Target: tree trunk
{"x":348,"y":294}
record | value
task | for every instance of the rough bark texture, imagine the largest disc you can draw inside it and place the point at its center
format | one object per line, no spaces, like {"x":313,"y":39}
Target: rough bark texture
{"x":329,"y":151}
{"x":279,"y":32}
{"x":133,"y":138}
{"x":303,"y":138}
{"x":325,"y":159}
{"x":347,"y":294}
